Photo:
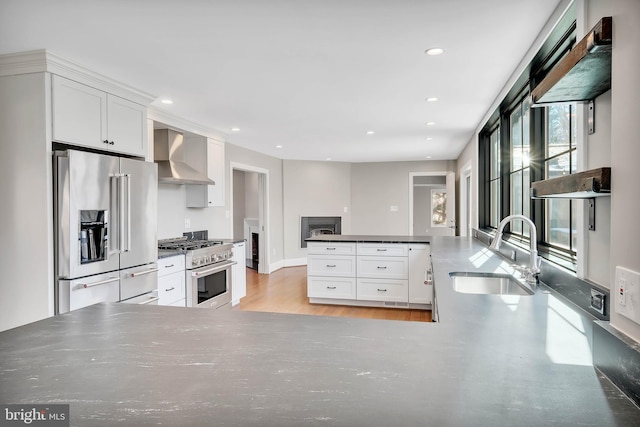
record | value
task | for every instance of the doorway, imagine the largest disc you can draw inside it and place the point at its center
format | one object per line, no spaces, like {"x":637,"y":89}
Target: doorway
{"x":432,"y":204}
{"x":465,"y":200}
{"x":250,"y":213}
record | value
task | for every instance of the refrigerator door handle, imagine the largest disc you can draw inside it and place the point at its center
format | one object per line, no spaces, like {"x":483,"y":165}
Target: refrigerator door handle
{"x":127,"y":178}
{"x":113,"y":235}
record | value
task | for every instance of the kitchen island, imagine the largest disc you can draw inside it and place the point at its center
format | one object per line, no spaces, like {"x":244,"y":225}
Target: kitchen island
{"x":490,"y":361}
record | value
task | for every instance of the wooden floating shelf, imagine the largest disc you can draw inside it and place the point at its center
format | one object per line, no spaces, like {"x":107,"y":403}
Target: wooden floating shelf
{"x":584,"y":73}
{"x":581,"y":185}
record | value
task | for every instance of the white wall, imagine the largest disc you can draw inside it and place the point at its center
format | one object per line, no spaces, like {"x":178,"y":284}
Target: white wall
{"x":377,"y":187}
{"x":313,"y":189}
{"x":625,"y":149}
{"x":26,"y":212}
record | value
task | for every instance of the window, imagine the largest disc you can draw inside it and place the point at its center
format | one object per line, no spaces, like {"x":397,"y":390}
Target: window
{"x":519,"y":175}
{"x":560,"y":159}
{"x":521,"y":144}
{"x":438,"y":208}
{"x":494,"y":177}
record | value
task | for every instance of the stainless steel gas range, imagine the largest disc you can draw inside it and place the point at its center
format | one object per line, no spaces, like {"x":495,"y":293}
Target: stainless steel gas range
{"x":208,"y":270}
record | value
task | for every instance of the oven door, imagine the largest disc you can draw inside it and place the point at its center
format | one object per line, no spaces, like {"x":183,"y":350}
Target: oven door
{"x":209,"y":286}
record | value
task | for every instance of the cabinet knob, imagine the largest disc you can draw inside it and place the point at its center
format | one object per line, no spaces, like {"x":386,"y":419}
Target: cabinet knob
{"x":111,"y":143}
{"x":106,"y":141}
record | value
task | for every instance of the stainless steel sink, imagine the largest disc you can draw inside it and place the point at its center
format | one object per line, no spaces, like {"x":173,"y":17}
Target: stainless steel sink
{"x":487,"y":283}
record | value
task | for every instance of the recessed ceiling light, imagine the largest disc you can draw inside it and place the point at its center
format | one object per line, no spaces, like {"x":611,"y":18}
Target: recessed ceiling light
{"x":431,"y":123}
{"x":428,"y":157}
{"x":328,"y":158}
{"x":235,"y":129}
{"x":434,"y":51}
{"x":370,"y":132}
{"x":166,"y":101}
{"x":428,"y":138}
{"x":432,"y":99}
{"x":278,"y":146}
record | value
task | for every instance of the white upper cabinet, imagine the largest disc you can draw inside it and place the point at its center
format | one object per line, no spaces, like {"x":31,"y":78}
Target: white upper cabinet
{"x":206,"y":196}
{"x":89,"y":117}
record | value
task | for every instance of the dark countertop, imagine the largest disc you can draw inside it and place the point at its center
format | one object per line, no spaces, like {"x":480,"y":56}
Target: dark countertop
{"x":369,"y":239}
{"x":491,"y":361}
{"x":166,"y":253}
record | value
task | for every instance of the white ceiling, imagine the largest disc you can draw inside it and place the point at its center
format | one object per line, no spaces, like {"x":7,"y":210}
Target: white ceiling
{"x":311,"y":75}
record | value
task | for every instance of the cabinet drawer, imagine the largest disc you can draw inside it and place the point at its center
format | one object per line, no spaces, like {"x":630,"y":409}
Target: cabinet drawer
{"x":383,"y":249}
{"x":383,"y":290}
{"x":170,"y":265}
{"x":331,"y":248}
{"x":338,"y":287}
{"x":171,"y":288}
{"x":383,"y":267}
{"x":319,"y":265}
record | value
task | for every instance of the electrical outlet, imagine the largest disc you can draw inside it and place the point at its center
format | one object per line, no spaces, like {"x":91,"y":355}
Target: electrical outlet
{"x":597,"y":301}
{"x":627,"y":293}
{"x":187,"y":223}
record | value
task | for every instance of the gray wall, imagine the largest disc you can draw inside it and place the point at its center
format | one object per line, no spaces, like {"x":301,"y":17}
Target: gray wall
{"x":376,"y":187}
{"x":313,"y":189}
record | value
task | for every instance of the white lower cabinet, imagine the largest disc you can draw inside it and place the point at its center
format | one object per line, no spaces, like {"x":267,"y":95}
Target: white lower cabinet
{"x":369,"y":274}
{"x":238,"y":273}
{"x":171,"y":281}
{"x":420,"y":274}
{"x":331,"y":287}
{"x":383,"y":290}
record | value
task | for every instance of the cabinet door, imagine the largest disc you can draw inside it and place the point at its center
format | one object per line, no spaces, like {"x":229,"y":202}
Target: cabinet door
{"x":171,"y":288}
{"x":206,"y":196}
{"x":420,"y":287}
{"x":331,"y":287}
{"x":382,"y":290}
{"x":383,"y":267}
{"x":238,"y":274}
{"x":79,"y":114}
{"x":126,"y":126}
{"x":337,"y":266}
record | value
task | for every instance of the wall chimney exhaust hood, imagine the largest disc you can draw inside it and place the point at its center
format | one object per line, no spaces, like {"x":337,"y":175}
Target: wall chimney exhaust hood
{"x":168,"y":148}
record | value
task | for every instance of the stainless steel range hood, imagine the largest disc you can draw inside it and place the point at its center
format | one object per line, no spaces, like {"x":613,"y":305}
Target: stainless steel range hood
{"x":170,"y":157}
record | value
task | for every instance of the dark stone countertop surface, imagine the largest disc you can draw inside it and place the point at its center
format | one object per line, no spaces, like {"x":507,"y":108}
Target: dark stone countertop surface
{"x":490,"y":361}
{"x":368,"y":239}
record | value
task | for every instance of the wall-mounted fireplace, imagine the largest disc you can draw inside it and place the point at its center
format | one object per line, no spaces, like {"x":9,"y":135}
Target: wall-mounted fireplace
{"x":316,"y":225}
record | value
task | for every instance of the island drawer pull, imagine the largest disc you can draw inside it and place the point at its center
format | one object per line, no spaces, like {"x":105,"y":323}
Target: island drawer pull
{"x":169,"y":266}
{"x":381,"y":250}
{"x":331,"y":265}
{"x":331,"y":249}
{"x":382,"y":267}
{"x":170,"y":289}
{"x":331,"y":287}
{"x":382,"y":290}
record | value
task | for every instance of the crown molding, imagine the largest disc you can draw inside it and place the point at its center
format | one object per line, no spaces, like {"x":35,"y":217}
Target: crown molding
{"x":184,"y":125}
{"x":37,"y":61}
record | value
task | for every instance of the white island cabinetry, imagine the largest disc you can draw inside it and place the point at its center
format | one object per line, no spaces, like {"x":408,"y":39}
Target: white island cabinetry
{"x":331,"y":270}
{"x":376,"y":274}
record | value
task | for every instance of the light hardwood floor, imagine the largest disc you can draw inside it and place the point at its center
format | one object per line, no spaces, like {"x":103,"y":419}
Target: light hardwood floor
{"x":285,"y":291}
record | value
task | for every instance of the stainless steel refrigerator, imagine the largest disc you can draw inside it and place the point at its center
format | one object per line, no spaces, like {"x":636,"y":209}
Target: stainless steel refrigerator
{"x":106,"y":229}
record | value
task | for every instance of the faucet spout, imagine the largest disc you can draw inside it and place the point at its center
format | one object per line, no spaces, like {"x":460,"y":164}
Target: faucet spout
{"x":534,"y":262}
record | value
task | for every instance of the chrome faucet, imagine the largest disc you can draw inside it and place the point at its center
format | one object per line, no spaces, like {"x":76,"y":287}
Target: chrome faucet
{"x":532,"y":271}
